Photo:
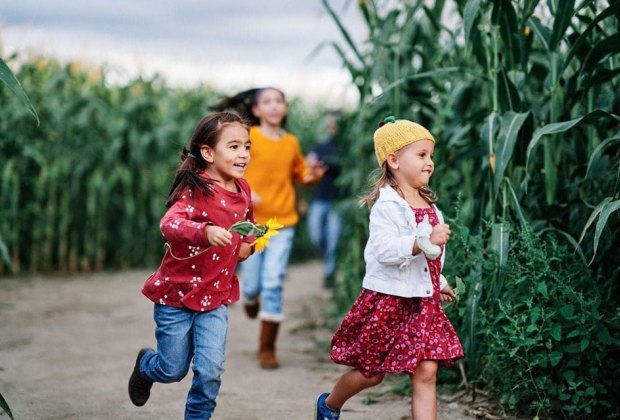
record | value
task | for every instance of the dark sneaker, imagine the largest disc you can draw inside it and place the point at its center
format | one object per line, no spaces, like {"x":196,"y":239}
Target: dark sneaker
{"x":251,"y":308}
{"x":139,"y":388}
{"x":322,"y":411}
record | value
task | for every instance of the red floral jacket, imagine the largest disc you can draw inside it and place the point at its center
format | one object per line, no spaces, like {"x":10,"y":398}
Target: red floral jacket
{"x":193,"y":274}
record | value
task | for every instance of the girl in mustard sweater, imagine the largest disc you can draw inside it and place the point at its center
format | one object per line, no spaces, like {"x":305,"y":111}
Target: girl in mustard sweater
{"x":277,"y":165}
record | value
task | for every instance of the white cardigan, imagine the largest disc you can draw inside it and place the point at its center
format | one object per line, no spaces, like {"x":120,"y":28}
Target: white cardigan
{"x":390,"y":266}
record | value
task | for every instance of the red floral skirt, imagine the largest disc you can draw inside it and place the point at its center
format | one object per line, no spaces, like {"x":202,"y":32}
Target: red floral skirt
{"x":392,"y":334}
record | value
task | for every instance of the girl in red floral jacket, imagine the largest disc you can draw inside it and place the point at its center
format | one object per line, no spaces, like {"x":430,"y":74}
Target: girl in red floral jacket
{"x":196,"y":280}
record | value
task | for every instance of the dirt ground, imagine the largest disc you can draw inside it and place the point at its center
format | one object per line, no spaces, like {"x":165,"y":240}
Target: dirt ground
{"x":68,"y":345}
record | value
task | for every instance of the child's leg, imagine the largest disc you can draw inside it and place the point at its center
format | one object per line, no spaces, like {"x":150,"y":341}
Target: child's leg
{"x":348,"y":385}
{"x":174,"y":345}
{"x":423,"y":382}
{"x":209,"y":337}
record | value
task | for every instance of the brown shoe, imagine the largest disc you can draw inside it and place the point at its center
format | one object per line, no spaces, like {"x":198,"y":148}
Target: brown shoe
{"x":251,"y":308}
{"x":267,"y":346}
{"x":139,"y":388}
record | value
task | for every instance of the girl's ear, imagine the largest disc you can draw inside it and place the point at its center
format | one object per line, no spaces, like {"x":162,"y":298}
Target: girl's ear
{"x":392,"y":161}
{"x":207,"y":154}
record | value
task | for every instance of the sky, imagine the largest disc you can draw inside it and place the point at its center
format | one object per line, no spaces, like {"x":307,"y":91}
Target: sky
{"x":232,"y":45}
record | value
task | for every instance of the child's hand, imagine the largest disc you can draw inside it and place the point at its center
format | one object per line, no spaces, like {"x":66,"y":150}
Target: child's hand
{"x":218,"y":236}
{"x":245,"y":251}
{"x":317,"y":170}
{"x":440,"y":234}
{"x":447,"y":294}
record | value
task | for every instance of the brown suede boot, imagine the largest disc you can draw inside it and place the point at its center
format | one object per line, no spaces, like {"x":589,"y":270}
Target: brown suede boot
{"x":267,"y":346}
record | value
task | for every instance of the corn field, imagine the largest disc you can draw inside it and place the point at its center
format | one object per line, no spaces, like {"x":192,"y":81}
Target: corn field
{"x":524,"y":99}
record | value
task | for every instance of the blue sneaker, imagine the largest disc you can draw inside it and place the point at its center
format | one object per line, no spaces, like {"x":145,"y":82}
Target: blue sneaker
{"x":322,"y":411}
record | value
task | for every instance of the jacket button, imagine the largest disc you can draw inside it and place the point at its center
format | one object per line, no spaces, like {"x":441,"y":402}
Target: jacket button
{"x":428,"y":292}
{"x":425,"y":269}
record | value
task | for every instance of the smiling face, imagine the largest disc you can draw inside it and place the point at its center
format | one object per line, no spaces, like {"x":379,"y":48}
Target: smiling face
{"x":230,"y":157}
{"x":270,"y":107}
{"x":413,"y":164}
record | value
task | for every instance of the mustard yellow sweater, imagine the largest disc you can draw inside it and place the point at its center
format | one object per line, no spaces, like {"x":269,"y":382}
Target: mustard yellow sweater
{"x":275,"y":166}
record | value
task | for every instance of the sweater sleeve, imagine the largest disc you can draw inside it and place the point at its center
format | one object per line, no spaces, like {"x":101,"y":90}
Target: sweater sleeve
{"x":300,"y":168}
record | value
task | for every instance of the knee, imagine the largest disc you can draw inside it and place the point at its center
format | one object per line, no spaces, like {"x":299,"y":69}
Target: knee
{"x":426,"y":373}
{"x":375,"y":380}
{"x":172,"y":373}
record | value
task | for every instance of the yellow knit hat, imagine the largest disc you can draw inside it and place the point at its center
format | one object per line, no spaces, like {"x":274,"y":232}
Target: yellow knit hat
{"x":395,"y":134}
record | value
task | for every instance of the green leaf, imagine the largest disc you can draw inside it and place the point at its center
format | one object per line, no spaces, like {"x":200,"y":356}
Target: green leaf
{"x":516,"y":206}
{"x":542,"y":288}
{"x":470,"y":16}
{"x":555,"y":358}
{"x":563,"y":15}
{"x":561,"y":127}
{"x":600,"y":51}
{"x":610,"y":11}
{"x":602,"y":221}
{"x":567,"y":311}
{"x":245,"y":228}
{"x":344,"y":32}
{"x":599,"y":150}
{"x":556,"y":332}
{"x":7,"y":76}
{"x":542,"y":32}
{"x":507,"y":94}
{"x":499,"y":242}
{"x":5,"y":406}
{"x":593,"y":216}
{"x":584,"y":343}
{"x":510,"y":126}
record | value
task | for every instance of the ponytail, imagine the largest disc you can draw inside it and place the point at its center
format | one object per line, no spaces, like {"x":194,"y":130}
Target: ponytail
{"x":188,"y":176}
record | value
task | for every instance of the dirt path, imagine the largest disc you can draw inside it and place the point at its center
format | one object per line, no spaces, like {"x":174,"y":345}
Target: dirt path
{"x":67,"y":346}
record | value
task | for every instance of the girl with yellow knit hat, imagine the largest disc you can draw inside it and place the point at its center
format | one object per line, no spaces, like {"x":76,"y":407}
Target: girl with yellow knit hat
{"x":397,"y":324}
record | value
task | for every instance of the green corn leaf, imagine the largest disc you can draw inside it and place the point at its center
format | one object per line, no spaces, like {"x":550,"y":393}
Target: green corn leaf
{"x":470,"y":17}
{"x":570,"y":240}
{"x":592,"y":217}
{"x":7,"y":76}
{"x":516,"y":206}
{"x":500,"y":240}
{"x":542,"y":32}
{"x":507,"y":94}
{"x":599,"y":150}
{"x":585,"y":34}
{"x":602,"y":221}
{"x":600,"y":51}
{"x":563,"y":15}
{"x":4,"y":254}
{"x":510,"y":126}
{"x":561,"y":127}
{"x":344,"y":32}
{"x":5,"y":406}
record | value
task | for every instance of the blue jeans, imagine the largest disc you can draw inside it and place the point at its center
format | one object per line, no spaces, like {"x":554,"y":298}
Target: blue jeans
{"x":263,"y":274}
{"x":183,"y":335}
{"x":324,"y":228}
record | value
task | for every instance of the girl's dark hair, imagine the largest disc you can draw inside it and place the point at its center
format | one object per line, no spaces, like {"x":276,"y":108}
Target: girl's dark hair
{"x":243,"y":102}
{"x":207,"y":133}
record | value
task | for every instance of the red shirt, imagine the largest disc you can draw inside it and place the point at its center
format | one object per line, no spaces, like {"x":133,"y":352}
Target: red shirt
{"x":192,"y":273}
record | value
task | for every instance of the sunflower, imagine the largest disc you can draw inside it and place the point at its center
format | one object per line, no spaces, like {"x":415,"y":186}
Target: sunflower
{"x":272,"y":230}
{"x":262,"y":233}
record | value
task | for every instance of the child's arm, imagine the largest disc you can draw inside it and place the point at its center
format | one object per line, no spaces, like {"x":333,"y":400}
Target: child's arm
{"x":179,"y":229}
{"x":389,"y":245}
